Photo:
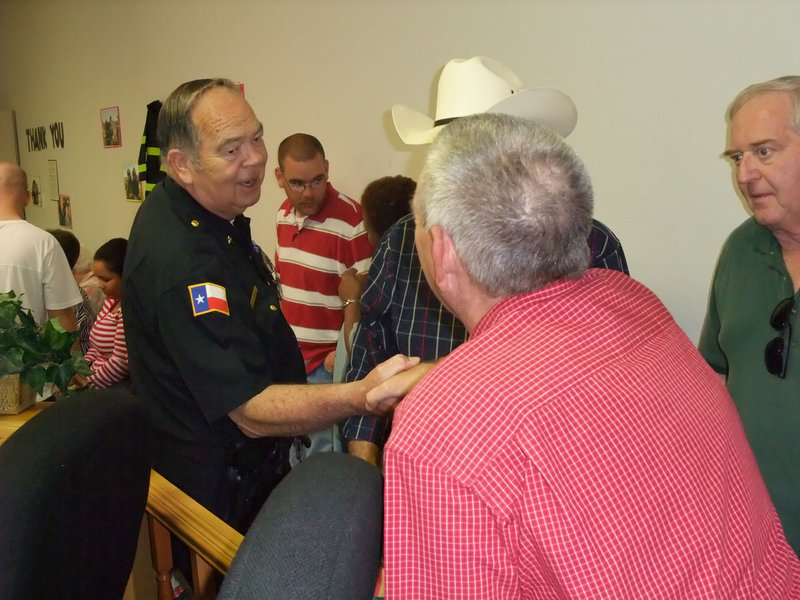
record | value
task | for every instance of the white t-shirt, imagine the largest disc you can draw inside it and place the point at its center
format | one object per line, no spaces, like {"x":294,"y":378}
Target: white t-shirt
{"x":32,"y":263}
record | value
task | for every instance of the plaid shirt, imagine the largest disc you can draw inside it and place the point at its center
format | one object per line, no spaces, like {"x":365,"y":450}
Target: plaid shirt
{"x":400,"y":313}
{"x":588,"y":451}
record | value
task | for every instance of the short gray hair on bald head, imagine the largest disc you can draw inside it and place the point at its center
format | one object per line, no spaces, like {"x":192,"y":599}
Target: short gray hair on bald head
{"x":787,"y":83}
{"x":514,"y":197}
{"x":175,"y":126}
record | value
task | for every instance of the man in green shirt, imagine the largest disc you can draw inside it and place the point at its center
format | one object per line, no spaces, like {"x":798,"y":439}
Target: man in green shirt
{"x":747,"y":333}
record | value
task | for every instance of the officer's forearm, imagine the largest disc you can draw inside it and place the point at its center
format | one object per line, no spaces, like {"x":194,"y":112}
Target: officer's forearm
{"x":297,"y":409}
{"x":294,"y":409}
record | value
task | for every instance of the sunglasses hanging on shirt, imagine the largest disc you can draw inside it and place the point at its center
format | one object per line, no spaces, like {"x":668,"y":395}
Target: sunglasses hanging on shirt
{"x":776,"y":353}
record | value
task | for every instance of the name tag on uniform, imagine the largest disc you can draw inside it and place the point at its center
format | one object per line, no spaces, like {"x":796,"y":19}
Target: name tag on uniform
{"x":208,"y":297}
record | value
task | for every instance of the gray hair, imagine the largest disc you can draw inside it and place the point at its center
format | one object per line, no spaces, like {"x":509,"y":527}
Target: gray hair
{"x":175,"y":126}
{"x":787,"y":83}
{"x":514,"y":197}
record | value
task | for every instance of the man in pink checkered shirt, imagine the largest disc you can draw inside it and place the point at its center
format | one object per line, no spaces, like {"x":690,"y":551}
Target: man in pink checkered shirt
{"x":577,"y":445}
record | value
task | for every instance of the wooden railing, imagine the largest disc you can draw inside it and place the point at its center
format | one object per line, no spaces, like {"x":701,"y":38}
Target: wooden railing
{"x":211,"y":541}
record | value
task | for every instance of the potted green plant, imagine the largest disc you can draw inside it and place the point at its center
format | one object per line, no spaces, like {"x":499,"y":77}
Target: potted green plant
{"x":33,"y":355}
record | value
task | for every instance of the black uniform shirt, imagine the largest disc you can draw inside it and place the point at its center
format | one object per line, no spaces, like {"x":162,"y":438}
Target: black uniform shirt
{"x":194,"y":369}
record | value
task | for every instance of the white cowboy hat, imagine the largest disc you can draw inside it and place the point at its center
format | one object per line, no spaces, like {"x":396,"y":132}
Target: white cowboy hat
{"x":468,"y":86}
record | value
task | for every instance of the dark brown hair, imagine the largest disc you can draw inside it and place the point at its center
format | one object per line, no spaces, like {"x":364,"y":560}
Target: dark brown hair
{"x":113,"y":254}
{"x":385,"y":200}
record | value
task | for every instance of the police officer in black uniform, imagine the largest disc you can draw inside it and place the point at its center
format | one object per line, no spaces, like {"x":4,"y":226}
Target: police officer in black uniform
{"x":209,"y":349}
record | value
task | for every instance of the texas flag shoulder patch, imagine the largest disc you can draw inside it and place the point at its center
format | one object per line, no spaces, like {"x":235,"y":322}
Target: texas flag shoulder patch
{"x":208,"y":297}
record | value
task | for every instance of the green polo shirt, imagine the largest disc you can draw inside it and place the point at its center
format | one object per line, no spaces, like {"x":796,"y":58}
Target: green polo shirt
{"x":749,"y":281}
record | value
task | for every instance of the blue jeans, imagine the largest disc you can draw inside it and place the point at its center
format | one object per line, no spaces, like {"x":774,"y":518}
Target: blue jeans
{"x":326,"y":440}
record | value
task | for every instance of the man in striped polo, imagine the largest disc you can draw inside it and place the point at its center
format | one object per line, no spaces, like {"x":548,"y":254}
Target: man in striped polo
{"x":320,"y":235}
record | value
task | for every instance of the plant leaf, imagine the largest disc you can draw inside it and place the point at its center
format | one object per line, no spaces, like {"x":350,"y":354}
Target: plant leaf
{"x":61,"y":375}
{"x":35,"y":377}
{"x":11,"y":361}
{"x":79,"y":364}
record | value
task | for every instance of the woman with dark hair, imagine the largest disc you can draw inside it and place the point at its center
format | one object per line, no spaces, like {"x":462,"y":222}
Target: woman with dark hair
{"x":108,"y":354}
{"x":385,"y":201}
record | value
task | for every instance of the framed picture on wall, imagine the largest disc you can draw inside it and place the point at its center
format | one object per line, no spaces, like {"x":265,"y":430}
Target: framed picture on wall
{"x":36,"y":191}
{"x":130,"y":181}
{"x":52,"y":176}
{"x":64,"y":211}
{"x":111,"y":127}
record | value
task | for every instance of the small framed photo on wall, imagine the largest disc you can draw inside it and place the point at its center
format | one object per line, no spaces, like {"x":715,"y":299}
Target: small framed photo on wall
{"x":64,"y":211}
{"x":52,"y":176}
{"x":130,"y":181}
{"x":111,"y":127}
{"x":36,"y":191}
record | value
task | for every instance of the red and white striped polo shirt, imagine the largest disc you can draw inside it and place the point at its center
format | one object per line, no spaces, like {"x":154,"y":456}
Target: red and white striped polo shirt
{"x":311,"y":256}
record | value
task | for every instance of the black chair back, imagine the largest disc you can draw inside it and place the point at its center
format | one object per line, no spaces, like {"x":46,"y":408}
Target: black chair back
{"x":73,"y":490}
{"x":318,"y":535}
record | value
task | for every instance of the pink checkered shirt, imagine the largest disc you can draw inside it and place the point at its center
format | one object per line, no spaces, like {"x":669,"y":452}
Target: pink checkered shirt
{"x":578,"y":446}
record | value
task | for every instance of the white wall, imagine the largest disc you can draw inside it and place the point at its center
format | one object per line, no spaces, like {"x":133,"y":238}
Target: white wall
{"x":651,"y":79}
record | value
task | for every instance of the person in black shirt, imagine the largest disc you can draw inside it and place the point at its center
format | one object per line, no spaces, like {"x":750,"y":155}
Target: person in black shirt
{"x":209,"y":348}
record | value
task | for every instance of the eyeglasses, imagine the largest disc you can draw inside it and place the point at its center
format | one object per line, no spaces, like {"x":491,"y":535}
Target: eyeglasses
{"x":776,"y":353}
{"x":299,"y":186}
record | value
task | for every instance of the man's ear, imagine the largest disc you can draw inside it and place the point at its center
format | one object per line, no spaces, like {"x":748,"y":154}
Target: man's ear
{"x":447,"y":264}
{"x":279,"y":177}
{"x":181,"y":166}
